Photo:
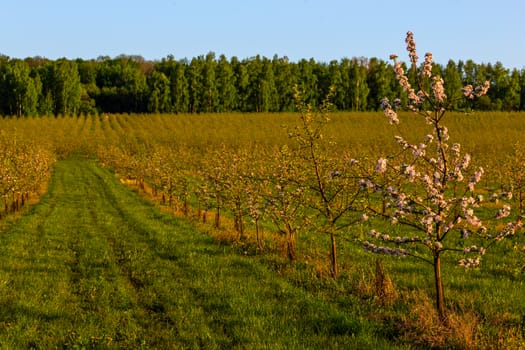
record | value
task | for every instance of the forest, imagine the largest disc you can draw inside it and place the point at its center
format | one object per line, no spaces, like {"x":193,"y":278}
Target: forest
{"x":130,"y":84}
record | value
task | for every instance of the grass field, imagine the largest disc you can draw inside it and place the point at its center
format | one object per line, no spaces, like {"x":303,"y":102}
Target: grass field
{"x":95,"y":266}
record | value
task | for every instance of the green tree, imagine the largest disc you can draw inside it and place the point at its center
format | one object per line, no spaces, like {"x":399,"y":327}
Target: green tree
{"x":469,"y":72}
{"x":358,"y":86}
{"x":505,"y":91}
{"x":66,"y":88}
{"x":307,"y":82}
{"x":210,"y":96}
{"x":194,"y":72}
{"x":254,"y":66}
{"x":159,"y":93}
{"x":122,"y":84}
{"x":226,"y":85}
{"x":379,"y":81}
{"x":345,"y":66}
{"x":20,"y":90}
{"x":522,"y":90}
{"x":452,"y":75}
{"x":87,"y":71}
{"x":285,"y":80}
{"x":268,"y":91}
{"x":179,"y":88}
{"x":176,"y":73}
{"x":336,"y":80}
{"x":511,"y":99}
{"x":242,"y":83}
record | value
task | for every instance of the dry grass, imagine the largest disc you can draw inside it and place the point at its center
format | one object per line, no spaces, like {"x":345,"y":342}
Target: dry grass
{"x":421,"y":326}
{"x":385,"y":292}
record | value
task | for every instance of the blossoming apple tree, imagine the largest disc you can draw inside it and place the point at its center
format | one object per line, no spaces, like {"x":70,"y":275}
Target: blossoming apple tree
{"x":429,"y":186}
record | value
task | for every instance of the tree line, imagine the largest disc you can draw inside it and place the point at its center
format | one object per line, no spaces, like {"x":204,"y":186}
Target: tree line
{"x":131,"y":84}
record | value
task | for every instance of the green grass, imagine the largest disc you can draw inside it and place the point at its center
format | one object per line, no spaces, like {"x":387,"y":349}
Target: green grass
{"x":95,"y":266}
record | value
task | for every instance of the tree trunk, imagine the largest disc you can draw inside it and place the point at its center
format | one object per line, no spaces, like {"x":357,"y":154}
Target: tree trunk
{"x":291,"y":243}
{"x":291,"y":247}
{"x":218,"y":217}
{"x":258,"y":234}
{"x":333,"y":255}
{"x":185,"y":207}
{"x":440,"y":297}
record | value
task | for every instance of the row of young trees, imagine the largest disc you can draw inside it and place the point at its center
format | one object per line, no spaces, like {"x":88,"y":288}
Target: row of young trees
{"x":428,"y":189}
{"x":130,"y":84}
{"x":421,"y":201}
{"x":24,"y":167}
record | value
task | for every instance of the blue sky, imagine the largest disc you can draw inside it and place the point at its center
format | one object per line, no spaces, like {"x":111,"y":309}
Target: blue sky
{"x":485,"y":31}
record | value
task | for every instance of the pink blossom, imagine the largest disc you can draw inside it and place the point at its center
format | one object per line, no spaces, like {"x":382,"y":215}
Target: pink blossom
{"x":415,"y":98}
{"x":410,"y":173}
{"x":473,"y":220}
{"x":509,"y":230}
{"x":422,"y":95}
{"x":458,"y":175}
{"x":366,"y":184}
{"x":503,"y":212}
{"x":392,"y":116}
{"x":374,"y":233}
{"x":507,"y":195}
{"x":443,"y":131}
{"x":456,"y":148}
{"x":449,"y":226}
{"x":370,"y":247}
{"x":475,"y":178}
{"x":468,"y":92}
{"x":381,"y":165}
{"x":419,"y":151}
{"x":427,"y":66}
{"x":388,"y":111}
{"x":466,"y":201}
{"x":438,"y":89}
{"x":401,"y":77}
{"x":411,"y":47}
{"x":466,"y":161}
{"x":482,"y":90}
{"x":428,"y":222}
{"x":401,"y":141}
{"x":469,"y":262}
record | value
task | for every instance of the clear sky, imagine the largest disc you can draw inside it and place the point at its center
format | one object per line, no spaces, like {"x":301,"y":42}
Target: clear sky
{"x":485,"y":31}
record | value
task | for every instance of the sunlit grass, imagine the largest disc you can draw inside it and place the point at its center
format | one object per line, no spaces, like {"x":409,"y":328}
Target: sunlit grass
{"x":95,"y":266}
{"x":131,"y":271}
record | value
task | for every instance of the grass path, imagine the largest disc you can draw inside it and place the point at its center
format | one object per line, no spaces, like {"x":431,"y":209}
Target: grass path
{"x":95,"y":266}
